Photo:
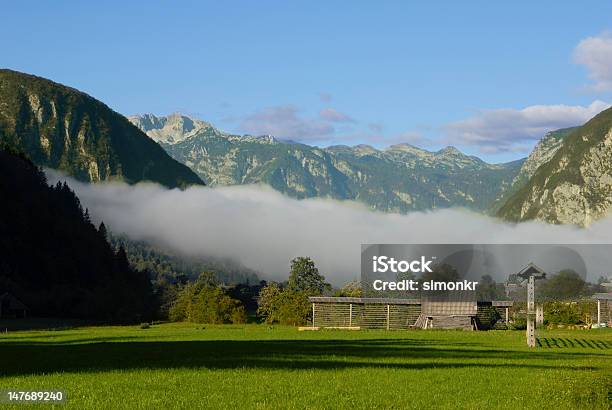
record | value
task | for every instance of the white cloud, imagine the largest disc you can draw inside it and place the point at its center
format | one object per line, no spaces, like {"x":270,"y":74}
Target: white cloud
{"x":509,"y":129}
{"x":264,"y":230}
{"x":285,"y":122}
{"x":595,"y":53}
{"x":333,"y":115}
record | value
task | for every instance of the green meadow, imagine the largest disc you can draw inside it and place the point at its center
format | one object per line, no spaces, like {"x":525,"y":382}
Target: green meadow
{"x":259,"y":366}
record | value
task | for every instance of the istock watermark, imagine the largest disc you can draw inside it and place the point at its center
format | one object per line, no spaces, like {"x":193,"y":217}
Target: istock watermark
{"x":431,"y":285}
{"x":456,"y":271}
{"x":385,"y":264}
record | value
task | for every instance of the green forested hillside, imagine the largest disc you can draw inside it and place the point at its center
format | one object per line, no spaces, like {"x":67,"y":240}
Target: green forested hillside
{"x":54,"y":260}
{"x":170,"y":267}
{"x":62,"y":128}
{"x":543,"y":152}
{"x":575,"y":185}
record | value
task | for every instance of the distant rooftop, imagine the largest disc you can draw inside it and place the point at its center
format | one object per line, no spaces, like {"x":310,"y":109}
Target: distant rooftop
{"x":602,"y":296}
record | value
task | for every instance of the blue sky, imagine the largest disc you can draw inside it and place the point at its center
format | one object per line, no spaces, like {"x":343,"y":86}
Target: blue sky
{"x":487,"y":77}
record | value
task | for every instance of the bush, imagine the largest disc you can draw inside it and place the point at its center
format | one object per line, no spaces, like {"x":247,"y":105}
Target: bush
{"x":570,"y":313}
{"x":287,"y":307}
{"x":351,"y":290}
{"x":519,"y":323}
{"x":238,"y":315}
{"x":204,"y":302}
{"x":144,"y":326}
{"x":290,"y":306}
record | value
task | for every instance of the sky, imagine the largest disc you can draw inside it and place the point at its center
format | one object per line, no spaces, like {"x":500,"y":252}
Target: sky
{"x":487,"y":77}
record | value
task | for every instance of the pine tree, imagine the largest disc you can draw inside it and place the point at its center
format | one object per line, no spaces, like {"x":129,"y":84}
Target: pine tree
{"x":121,"y":260}
{"x":102,"y":231}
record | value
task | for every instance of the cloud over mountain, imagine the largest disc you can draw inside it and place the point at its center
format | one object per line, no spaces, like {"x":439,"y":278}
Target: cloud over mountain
{"x":285,"y":121}
{"x":333,"y":115}
{"x":508,"y":129}
{"x":595,"y":53}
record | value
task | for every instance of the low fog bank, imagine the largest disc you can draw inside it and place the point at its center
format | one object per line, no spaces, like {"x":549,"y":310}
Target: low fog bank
{"x":264,"y":230}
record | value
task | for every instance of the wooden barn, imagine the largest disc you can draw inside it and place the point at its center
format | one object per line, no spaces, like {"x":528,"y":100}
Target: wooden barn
{"x":604,"y":308}
{"x":395,"y":314}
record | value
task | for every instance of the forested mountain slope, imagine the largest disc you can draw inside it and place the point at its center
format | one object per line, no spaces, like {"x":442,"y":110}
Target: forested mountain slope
{"x":65,"y":129}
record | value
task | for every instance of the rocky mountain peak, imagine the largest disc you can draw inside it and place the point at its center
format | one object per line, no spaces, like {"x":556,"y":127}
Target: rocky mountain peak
{"x":400,"y":178}
{"x":170,"y":129}
{"x":543,"y":152}
{"x":364,"y":149}
{"x":407,"y":148}
{"x":450,"y":151}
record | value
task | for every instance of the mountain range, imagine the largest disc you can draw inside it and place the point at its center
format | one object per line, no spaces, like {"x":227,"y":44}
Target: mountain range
{"x":63,"y":128}
{"x":567,"y":178}
{"x":400,"y":178}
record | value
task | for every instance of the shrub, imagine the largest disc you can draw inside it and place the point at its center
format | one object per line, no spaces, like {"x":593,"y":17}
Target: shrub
{"x":267,"y":302}
{"x":204,"y":302}
{"x":238,"y":315}
{"x":287,"y":307}
{"x":571,"y":313}
{"x":351,"y":290}
{"x":290,"y":306}
{"x":519,"y":323}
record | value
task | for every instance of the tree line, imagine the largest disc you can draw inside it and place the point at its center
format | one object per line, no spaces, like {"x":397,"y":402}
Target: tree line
{"x":206,"y":301}
{"x":54,"y":259}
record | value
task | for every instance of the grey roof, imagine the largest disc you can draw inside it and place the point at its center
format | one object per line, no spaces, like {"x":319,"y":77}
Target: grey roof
{"x":531,"y":269}
{"x":603,"y":296}
{"x":386,"y":301}
{"x":389,"y":301}
{"x":502,"y":303}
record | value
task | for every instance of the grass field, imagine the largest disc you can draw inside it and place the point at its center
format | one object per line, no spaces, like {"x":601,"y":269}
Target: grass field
{"x":257,"y":366}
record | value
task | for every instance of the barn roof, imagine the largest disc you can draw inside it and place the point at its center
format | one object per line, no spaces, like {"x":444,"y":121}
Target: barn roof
{"x":531,"y":269}
{"x":602,"y":296}
{"x":390,"y":301}
{"x":502,"y":303}
{"x":387,"y":301}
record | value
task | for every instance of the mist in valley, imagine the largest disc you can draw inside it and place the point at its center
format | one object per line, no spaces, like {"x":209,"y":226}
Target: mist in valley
{"x":264,"y":230}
